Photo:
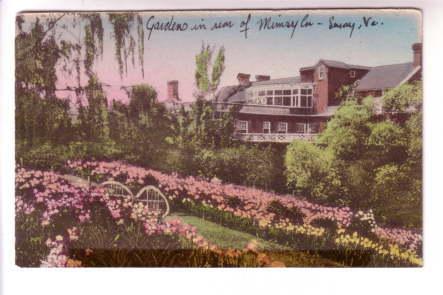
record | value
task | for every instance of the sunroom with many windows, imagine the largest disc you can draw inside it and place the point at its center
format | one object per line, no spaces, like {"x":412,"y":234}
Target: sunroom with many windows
{"x":284,"y":95}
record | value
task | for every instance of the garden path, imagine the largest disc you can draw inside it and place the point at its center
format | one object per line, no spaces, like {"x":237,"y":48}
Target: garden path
{"x":78,"y":181}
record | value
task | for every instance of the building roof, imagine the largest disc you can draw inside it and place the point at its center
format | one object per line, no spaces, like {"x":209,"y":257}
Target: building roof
{"x":289,"y":80}
{"x":336,"y":64}
{"x":282,"y":111}
{"x":383,"y":77}
{"x":232,"y":94}
{"x":255,"y":109}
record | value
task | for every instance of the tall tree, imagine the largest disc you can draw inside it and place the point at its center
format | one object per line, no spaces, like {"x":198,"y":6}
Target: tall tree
{"x":40,"y":116}
{"x":52,"y":44}
{"x":95,"y":116}
{"x":208,"y":72}
{"x":144,"y":124}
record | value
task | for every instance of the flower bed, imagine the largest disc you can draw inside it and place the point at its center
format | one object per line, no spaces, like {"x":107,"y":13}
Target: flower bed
{"x":336,"y":230}
{"x":59,"y":224}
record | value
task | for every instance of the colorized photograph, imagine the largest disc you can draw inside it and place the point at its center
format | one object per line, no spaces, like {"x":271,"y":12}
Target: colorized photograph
{"x":219,"y":138}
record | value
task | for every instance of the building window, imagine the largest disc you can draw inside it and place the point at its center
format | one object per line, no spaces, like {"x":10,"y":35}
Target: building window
{"x":306,"y":91}
{"x":282,"y":127}
{"x":278,"y":100}
{"x":352,"y":74}
{"x":287,"y":100}
{"x":305,"y":101}
{"x":266,"y":127}
{"x":283,"y":97}
{"x":313,"y":127}
{"x":299,"y":127}
{"x":241,"y":126}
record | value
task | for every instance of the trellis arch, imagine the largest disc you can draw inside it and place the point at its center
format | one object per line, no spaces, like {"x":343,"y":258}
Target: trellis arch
{"x":116,"y":189}
{"x":154,"y":199}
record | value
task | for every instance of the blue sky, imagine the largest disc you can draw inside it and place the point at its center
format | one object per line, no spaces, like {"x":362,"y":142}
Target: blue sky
{"x":170,"y":55}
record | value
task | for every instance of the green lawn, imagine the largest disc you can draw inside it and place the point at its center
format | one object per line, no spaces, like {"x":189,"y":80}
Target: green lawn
{"x":229,"y":238}
{"x":225,"y":237}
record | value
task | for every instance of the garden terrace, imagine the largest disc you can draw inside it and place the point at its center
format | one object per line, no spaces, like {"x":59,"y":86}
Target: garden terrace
{"x":59,"y":224}
{"x":335,"y":232}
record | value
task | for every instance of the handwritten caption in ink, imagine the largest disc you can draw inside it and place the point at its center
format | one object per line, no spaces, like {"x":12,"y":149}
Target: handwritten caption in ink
{"x":259,"y":24}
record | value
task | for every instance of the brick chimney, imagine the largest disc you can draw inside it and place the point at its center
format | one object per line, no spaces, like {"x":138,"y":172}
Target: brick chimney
{"x":417,"y":58}
{"x":259,"y":78}
{"x":243,"y":79}
{"x":173,"y":90}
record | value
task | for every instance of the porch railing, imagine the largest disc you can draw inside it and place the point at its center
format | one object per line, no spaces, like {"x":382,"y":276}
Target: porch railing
{"x":274,"y":137}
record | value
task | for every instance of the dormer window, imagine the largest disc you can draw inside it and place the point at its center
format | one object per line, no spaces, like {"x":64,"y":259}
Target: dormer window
{"x":321,"y":72}
{"x":352,"y":74}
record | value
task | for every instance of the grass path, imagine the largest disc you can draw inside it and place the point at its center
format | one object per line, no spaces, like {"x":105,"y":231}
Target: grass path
{"x":78,"y":181}
{"x":229,"y":238}
{"x":225,"y":237}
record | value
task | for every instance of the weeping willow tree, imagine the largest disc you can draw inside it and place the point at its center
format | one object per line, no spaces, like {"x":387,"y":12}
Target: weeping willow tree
{"x":54,"y":45}
{"x":78,"y":42}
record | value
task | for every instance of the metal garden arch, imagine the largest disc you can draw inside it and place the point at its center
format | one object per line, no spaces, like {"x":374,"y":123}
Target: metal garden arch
{"x":154,"y":199}
{"x":116,"y":189}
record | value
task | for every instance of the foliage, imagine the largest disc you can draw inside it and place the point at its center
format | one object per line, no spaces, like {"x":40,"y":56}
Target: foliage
{"x":94,"y":117}
{"x":403,"y":206}
{"x":54,"y":156}
{"x":247,"y":209}
{"x":218,"y":68}
{"x":246,"y":165}
{"x":40,"y":116}
{"x":366,"y":163}
{"x":310,"y":171}
{"x":142,"y":127}
{"x":345,"y":92}
{"x":62,"y":225}
{"x":39,"y":120}
{"x":124,"y":42}
{"x":293,"y":214}
{"x":388,"y":141}
{"x":402,"y":99}
{"x":47,"y":47}
{"x":51,"y":41}
{"x":200,"y":128}
{"x":347,"y":132}
{"x":208,"y":83}
{"x":93,"y":40}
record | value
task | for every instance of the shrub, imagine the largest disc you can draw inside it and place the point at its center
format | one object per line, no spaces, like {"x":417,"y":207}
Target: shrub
{"x":293,"y":214}
{"x":246,"y":165}
{"x":307,"y":169}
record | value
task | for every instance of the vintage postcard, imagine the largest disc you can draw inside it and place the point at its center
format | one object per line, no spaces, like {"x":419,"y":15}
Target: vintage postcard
{"x":219,"y":138}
